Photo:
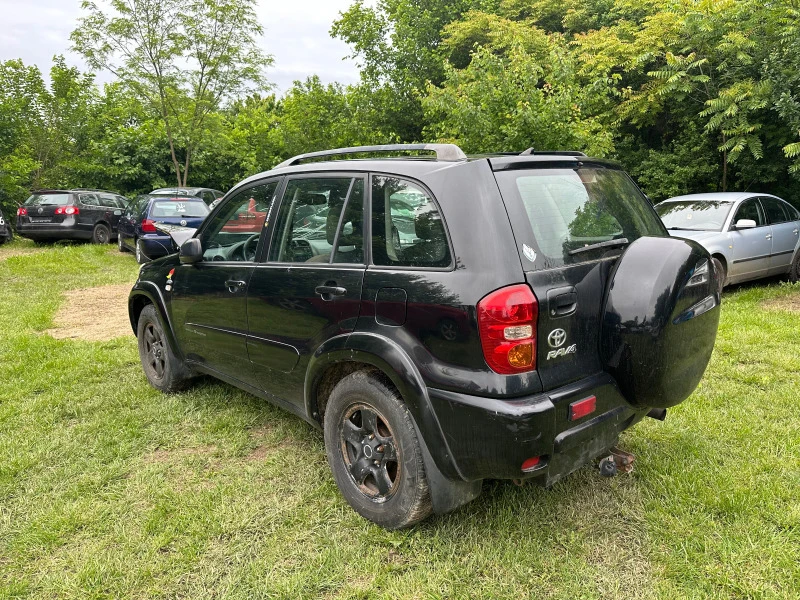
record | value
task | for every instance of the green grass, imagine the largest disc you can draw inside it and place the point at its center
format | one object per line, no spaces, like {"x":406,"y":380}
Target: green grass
{"x":109,"y":489}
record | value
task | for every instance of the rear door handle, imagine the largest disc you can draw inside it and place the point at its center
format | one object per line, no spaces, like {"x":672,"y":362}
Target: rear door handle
{"x":234,"y":286}
{"x":769,"y":236}
{"x":794,"y":231}
{"x":562,"y":301}
{"x":327,"y":292}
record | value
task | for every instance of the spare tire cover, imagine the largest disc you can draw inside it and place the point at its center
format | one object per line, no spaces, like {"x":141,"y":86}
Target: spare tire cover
{"x":660,"y":320}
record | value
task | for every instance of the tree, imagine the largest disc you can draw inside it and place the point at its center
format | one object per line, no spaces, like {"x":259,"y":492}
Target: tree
{"x":183,"y":59}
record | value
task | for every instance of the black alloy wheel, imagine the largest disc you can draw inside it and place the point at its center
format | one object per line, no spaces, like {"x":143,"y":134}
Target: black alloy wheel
{"x":720,"y":273}
{"x":794,"y":272}
{"x":164,"y":370}
{"x":101,"y":234}
{"x":374,"y":452}
{"x":368,"y":451}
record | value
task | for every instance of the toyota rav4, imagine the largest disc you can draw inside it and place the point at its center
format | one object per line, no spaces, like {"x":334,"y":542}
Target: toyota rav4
{"x":443,"y":320}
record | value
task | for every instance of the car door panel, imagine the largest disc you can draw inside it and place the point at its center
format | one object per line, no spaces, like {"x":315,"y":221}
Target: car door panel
{"x":751,"y":247}
{"x":784,"y":234}
{"x":299,"y":297}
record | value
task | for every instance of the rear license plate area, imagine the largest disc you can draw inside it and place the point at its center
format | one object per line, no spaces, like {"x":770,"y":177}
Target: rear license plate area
{"x":41,"y":220}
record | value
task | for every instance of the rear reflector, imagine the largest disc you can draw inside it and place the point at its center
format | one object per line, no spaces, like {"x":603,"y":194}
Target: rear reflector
{"x":581,"y":408}
{"x":531,"y":464}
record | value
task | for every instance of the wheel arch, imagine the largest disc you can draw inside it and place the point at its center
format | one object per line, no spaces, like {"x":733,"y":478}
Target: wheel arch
{"x":346,"y":354}
{"x":142,"y":294}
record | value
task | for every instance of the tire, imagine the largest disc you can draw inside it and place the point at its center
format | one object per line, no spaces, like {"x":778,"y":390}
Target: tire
{"x":140,"y":256}
{"x":722,"y":274}
{"x":101,"y":234}
{"x":164,"y":371}
{"x":382,"y":477}
{"x":794,"y":270}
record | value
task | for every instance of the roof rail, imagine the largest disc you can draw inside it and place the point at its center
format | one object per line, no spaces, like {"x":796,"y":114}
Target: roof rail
{"x":531,"y":151}
{"x":445,"y":152}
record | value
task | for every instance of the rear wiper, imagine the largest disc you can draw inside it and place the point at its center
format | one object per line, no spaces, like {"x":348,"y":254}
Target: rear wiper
{"x":606,"y":244}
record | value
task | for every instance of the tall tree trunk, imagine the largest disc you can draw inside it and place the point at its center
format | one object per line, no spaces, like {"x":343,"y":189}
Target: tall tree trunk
{"x":186,"y":164}
{"x":724,"y":165}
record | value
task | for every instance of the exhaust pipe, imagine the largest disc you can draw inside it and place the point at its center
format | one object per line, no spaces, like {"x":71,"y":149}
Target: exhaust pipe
{"x":659,"y":414}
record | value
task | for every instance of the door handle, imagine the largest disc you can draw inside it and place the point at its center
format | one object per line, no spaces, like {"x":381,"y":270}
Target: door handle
{"x":562,"y":301}
{"x":769,"y":236}
{"x":327,"y":292}
{"x":234,"y":286}
{"x":794,"y":231}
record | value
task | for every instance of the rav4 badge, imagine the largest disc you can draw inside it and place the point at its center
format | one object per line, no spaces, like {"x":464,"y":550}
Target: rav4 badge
{"x":556,"y":339}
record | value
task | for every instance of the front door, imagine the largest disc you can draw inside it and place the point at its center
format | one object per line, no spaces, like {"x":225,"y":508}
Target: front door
{"x":751,"y":247}
{"x":209,"y":302}
{"x":309,"y":288}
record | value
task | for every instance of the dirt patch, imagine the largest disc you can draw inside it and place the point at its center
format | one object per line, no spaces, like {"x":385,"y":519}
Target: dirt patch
{"x":162,"y":456}
{"x":790,"y":303}
{"x":11,"y":253}
{"x":93,"y":314}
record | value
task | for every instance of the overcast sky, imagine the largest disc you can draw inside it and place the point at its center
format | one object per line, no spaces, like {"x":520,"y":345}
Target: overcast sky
{"x":296,"y":35}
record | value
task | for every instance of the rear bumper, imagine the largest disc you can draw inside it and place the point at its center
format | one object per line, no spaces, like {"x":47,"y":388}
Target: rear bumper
{"x":488,"y":438}
{"x":51,"y":231}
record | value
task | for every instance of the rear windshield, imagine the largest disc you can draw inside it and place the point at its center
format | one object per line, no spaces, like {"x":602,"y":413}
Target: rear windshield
{"x":696,"y":215}
{"x":180,"y":209}
{"x":46,"y":199}
{"x":568,"y":216}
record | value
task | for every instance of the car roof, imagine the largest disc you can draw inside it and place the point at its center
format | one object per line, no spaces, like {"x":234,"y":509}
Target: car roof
{"x":717,"y":197}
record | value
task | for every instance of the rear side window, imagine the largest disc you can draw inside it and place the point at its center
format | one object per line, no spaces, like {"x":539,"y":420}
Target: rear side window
{"x":563,"y":211}
{"x":407,"y":227}
{"x":311,"y":216}
{"x":178,"y":209}
{"x":775,"y":211}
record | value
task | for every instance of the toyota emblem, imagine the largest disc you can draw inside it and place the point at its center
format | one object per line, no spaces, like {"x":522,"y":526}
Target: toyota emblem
{"x":557,"y":338}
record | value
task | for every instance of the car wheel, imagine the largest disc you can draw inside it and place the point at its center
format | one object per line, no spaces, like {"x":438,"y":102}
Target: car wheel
{"x":719,"y":269}
{"x":101,"y":234}
{"x":140,"y":257}
{"x":794,"y":273}
{"x":164,"y":370}
{"x":374,"y":452}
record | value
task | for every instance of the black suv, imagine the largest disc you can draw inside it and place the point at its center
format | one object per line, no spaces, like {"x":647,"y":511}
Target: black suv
{"x":77,"y":214}
{"x":443,"y":321}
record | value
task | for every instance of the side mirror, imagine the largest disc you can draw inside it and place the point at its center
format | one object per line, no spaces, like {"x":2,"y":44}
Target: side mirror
{"x":191,"y":251}
{"x":745,"y":224}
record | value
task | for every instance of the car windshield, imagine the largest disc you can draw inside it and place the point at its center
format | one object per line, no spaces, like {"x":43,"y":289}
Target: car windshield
{"x":180,"y":209}
{"x":566,"y":216}
{"x":694,"y":215}
{"x":47,"y":199}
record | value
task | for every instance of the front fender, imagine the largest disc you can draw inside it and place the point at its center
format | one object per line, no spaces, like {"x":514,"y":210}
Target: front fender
{"x":153,"y":295}
{"x":391,"y":360}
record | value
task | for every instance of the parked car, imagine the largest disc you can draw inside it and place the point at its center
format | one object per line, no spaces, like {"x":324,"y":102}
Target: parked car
{"x":138,"y":227}
{"x":749,"y":235}
{"x":6,"y":233}
{"x":206,"y":194}
{"x":538,"y":309}
{"x":75,"y":214}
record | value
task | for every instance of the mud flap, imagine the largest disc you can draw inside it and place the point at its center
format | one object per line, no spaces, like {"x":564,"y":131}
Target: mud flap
{"x":660,"y":320}
{"x":446,"y":494}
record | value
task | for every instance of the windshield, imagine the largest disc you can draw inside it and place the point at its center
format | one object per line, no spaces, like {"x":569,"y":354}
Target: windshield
{"x":569,"y":216}
{"x":47,"y":199}
{"x":694,"y":215}
{"x":180,"y":209}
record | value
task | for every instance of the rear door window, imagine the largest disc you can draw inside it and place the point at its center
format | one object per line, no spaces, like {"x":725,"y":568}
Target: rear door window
{"x":567,"y":216}
{"x":775,"y":211}
{"x":407,"y":226}
{"x":313,"y":215}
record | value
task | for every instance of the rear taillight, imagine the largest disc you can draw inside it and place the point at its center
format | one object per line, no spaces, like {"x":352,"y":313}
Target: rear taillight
{"x":22,"y":212}
{"x":68,"y":210}
{"x":148,"y":226}
{"x":507,"y":320}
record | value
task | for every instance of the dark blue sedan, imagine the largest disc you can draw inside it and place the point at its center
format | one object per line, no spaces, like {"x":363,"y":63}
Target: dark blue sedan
{"x":138,"y":225}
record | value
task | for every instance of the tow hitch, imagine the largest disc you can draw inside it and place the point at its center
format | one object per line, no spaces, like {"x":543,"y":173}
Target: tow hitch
{"x":617,"y":462}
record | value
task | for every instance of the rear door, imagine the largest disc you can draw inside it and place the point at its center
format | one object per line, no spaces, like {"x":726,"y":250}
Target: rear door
{"x":309,"y":288}
{"x":571,"y":225}
{"x":209,"y":298}
{"x":784,"y":226}
{"x":752,"y":247}
{"x":91,"y":210}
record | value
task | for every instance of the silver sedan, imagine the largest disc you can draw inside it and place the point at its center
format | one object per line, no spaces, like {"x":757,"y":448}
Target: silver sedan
{"x":748,"y":235}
